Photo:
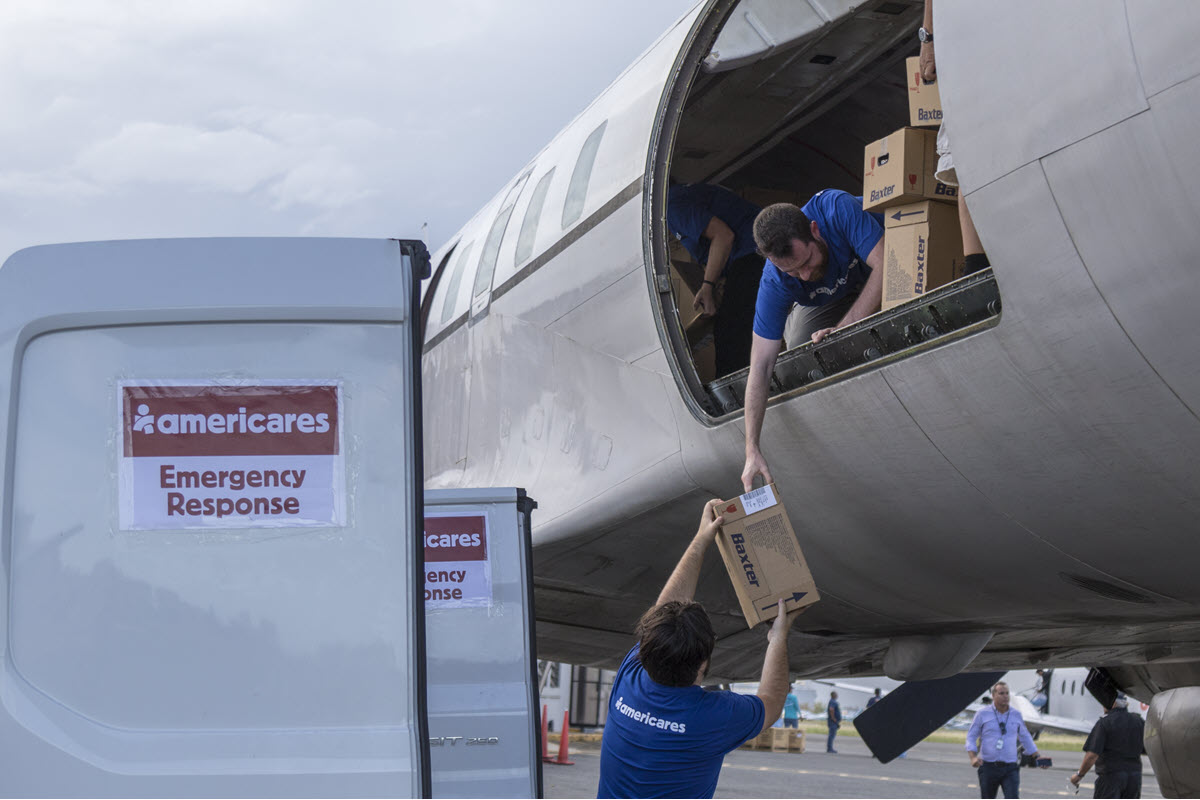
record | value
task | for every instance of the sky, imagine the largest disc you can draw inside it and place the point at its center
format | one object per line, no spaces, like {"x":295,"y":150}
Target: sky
{"x":143,"y":118}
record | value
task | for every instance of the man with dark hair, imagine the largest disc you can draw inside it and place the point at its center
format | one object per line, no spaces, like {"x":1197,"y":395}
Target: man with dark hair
{"x":665,"y":736}
{"x":833,"y":718}
{"x":1115,"y":748}
{"x":827,"y":258}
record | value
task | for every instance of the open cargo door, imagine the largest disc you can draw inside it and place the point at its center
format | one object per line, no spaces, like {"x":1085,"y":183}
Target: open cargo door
{"x":483,"y":690}
{"x":212,"y":494}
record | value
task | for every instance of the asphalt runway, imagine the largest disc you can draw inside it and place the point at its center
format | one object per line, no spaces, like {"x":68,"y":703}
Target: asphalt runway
{"x":930,"y":770}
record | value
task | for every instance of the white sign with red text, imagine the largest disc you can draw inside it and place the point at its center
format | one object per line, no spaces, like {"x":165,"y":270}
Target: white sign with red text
{"x":457,"y":571}
{"x":198,"y":454}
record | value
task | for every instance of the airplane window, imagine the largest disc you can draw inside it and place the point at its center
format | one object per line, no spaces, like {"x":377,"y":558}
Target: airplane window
{"x":577,"y":190}
{"x":1064,"y":686}
{"x":491,"y":245}
{"x":455,"y":282}
{"x":1072,"y":687}
{"x":532,"y":214}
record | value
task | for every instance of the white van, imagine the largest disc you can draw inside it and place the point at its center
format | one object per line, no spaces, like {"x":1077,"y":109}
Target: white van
{"x":212,"y":582}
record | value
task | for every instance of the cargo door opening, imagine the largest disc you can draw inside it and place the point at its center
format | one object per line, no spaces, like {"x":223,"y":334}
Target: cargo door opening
{"x":779,"y":126}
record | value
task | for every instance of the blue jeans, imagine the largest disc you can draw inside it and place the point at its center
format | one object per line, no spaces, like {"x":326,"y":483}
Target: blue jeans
{"x":833,"y":729}
{"x":995,"y":775}
{"x":791,"y":722}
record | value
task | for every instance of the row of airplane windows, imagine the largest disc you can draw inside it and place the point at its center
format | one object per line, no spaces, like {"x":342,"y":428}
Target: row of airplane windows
{"x":572,"y":210}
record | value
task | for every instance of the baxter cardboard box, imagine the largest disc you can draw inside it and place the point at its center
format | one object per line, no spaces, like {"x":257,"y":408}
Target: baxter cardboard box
{"x":762,"y":556}
{"x":898,"y":169}
{"x":922,"y":250}
{"x":924,"y":103}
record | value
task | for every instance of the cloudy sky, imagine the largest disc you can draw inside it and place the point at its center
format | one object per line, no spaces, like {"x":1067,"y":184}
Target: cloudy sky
{"x":144,"y":118}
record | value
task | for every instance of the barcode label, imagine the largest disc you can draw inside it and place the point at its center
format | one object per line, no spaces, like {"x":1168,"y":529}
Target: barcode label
{"x":758,"y":499}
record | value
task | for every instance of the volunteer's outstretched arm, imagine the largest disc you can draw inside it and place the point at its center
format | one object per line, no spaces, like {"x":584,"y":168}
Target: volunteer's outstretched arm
{"x":773,"y":687}
{"x":681,"y":585}
{"x":869,"y":299}
{"x":763,"y":353}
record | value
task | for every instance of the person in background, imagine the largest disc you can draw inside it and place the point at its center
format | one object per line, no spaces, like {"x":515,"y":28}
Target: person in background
{"x":665,"y":735}
{"x":717,"y":229}
{"x":875,"y":698}
{"x":791,"y":710}
{"x":1114,"y":747}
{"x":833,"y":718}
{"x":992,"y":745}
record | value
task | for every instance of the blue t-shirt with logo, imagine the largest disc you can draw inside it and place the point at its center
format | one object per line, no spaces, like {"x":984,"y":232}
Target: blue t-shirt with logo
{"x":850,"y":233}
{"x":667,"y":741}
{"x":690,"y":208}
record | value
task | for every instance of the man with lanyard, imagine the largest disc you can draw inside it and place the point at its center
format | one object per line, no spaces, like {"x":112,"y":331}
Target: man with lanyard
{"x":827,"y":258}
{"x":1115,"y":747}
{"x":717,"y":228}
{"x":992,"y":745}
{"x":666,"y":736}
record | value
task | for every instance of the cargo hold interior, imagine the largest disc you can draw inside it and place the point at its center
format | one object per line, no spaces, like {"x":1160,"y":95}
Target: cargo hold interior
{"x":779,"y":129}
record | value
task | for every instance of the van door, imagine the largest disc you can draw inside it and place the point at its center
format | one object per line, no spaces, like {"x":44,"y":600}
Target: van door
{"x":212,"y":489}
{"x":483,"y":691}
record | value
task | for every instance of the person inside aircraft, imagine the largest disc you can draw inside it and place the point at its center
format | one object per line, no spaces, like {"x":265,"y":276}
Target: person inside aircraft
{"x":665,"y":735}
{"x":717,"y":229}
{"x":974,"y":257}
{"x":826,"y":257}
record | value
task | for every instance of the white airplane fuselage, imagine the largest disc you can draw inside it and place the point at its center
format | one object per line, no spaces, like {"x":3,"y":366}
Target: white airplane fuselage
{"x":1033,"y":476}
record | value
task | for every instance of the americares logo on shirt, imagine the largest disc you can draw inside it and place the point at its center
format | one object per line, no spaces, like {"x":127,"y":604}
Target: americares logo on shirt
{"x":649,"y":719}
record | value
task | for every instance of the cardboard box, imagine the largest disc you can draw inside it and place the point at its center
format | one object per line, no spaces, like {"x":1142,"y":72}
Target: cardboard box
{"x":922,"y":246}
{"x":924,"y":102}
{"x":796,"y":743}
{"x":898,"y":170}
{"x":762,"y":556}
{"x":779,"y":739}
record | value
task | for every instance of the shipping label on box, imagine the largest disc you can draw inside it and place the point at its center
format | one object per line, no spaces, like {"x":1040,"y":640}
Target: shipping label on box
{"x":924,"y":102}
{"x":898,"y":169}
{"x":922,"y":246}
{"x":760,"y":551}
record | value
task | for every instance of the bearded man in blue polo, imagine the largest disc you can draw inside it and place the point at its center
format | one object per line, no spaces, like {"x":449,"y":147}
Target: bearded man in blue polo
{"x":826,"y":258}
{"x":665,"y":735}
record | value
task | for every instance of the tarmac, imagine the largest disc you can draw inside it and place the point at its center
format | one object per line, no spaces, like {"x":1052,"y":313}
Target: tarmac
{"x":931,"y":769}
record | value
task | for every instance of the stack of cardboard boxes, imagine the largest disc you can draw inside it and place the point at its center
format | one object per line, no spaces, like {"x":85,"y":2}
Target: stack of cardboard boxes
{"x":921,"y":239}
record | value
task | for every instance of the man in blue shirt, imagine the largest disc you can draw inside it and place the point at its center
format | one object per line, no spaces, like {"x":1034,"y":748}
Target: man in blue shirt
{"x":833,"y":718}
{"x":992,"y":745}
{"x":828,"y":258}
{"x":717,"y":229}
{"x":665,"y":736}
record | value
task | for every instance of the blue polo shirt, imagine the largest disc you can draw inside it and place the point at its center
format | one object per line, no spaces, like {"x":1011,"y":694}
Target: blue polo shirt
{"x":667,"y":741}
{"x":850,"y":233}
{"x":690,"y":208}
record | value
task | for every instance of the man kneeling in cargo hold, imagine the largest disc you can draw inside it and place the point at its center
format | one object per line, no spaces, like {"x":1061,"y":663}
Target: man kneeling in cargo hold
{"x":666,"y":736}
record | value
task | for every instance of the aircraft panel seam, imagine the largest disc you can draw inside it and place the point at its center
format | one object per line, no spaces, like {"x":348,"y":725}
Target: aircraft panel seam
{"x":1004,"y":513}
{"x":1100,"y":293}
